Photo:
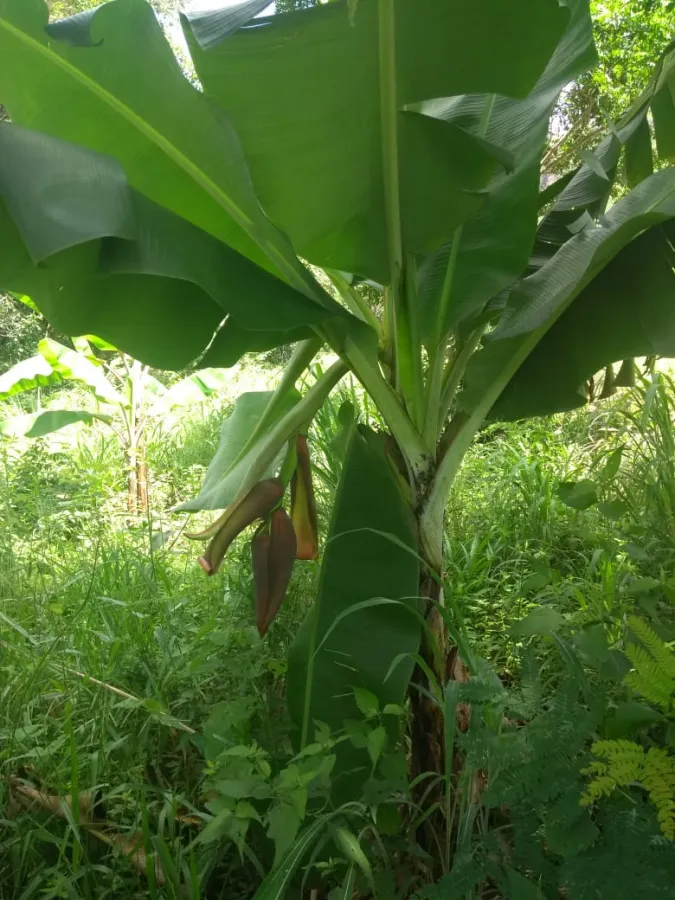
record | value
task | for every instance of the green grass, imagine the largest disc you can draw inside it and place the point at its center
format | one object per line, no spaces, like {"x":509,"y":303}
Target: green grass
{"x":114,"y":648}
{"x":117,"y":654}
{"x":138,"y":621}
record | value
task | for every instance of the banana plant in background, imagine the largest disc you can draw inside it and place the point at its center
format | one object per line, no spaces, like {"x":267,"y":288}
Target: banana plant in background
{"x":393,"y":143}
{"x":127,"y":398}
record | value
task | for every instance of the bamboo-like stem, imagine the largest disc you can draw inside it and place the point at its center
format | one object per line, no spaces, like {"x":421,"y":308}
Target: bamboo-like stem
{"x":409,"y":353}
{"x":302,"y":356}
{"x":433,"y":422}
{"x":295,"y":418}
{"x":353,"y":300}
{"x":417,"y":454}
{"x":455,"y":373}
{"x":390,"y":166}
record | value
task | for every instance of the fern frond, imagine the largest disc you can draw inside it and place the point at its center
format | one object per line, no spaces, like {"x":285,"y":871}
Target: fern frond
{"x":648,"y":682}
{"x":660,"y":651}
{"x":620,"y":755}
{"x":622,"y":763}
{"x":658,"y":778}
{"x":602,"y":786}
{"x":536,"y":764}
{"x":619,"y":765}
{"x":654,"y":665}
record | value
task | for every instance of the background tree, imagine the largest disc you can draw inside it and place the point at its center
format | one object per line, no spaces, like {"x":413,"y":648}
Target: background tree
{"x":629,"y":38}
{"x":283,"y":6}
{"x":20,"y":330}
{"x":60,"y":9}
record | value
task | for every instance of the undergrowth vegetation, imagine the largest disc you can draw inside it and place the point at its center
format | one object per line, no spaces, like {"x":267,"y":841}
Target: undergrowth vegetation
{"x":145,"y":748}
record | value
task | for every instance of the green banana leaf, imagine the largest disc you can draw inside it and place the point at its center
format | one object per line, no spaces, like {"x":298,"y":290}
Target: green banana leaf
{"x":232,"y":342}
{"x":27,"y":375}
{"x":55,"y":419}
{"x":25,"y":299}
{"x":314,"y":141}
{"x":587,"y":192}
{"x":605,"y":296}
{"x":194,"y":389}
{"x":212,"y":26}
{"x":54,"y":365}
{"x":639,"y":163}
{"x":35,"y":425}
{"x":82,"y":345}
{"x":228,"y":467}
{"x":495,"y":245}
{"x":74,"y":366}
{"x":663,"y":107}
{"x":100,"y":343}
{"x":17,"y":426}
{"x":109,"y":81}
{"x":146,"y":267}
{"x":328,"y":661}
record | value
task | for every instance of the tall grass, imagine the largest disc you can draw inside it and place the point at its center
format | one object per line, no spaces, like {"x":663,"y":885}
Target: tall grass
{"x":115,"y":651}
{"x":117,"y":655}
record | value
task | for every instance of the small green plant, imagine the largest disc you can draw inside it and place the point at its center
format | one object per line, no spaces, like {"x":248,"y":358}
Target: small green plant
{"x":642,"y":424}
{"x":127,"y":397}
{"x":653,"y":675}
{"x":622,"y":763}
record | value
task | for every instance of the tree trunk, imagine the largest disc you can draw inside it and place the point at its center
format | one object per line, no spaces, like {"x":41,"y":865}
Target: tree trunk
{"x":427,"y":752}
{"x":428,"y":718}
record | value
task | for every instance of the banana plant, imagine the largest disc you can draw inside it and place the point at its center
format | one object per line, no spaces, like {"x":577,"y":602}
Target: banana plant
{"x":127,"y":398}
{"x":396,"y":145}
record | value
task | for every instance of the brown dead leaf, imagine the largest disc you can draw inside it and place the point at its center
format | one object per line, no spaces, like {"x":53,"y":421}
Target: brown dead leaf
{"x":25,"y":796}
{"x":131,"y":847}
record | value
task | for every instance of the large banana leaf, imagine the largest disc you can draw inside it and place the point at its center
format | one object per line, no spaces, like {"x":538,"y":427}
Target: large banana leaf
{"x":305,"y":93}
{"x":108,"y":80}
{"x":35,"y":425}
{"x":56,"y":419}
{"x":55,"y":364}
{"x":587,"y":191}
{"x":230,"y":464}
{"x":194,"y":389}
{"x":74,"y":366}
{"x":663,"y":109}
{"x":605,"y":296}
{"x":27,"y":375}
{"x":127,"y":311}
{"x":359,"y":565}
{"x":494,"y":246}
{"x":98,"y":257}
{"x":232,"y":341}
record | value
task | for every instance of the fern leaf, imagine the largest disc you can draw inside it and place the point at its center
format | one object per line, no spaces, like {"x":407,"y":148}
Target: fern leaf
{"x":662,"y":652}
{"x":622,"y":763}
{"x":658,"y":777}
{"x":654,"y":665}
